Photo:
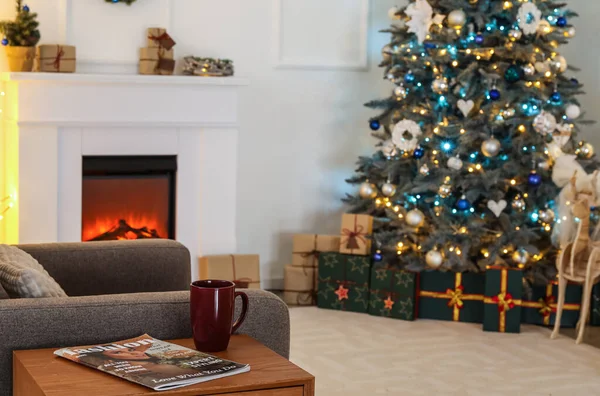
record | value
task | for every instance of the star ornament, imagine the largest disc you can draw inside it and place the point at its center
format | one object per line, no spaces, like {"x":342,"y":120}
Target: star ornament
{"x":388,"y":303}
{"x":342,"y":293}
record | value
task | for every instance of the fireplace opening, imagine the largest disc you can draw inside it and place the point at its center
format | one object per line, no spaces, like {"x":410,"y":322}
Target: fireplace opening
{"x":128,"y":197}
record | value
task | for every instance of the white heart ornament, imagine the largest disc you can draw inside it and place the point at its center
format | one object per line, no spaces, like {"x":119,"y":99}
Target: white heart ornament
{"x":465,"y":107}
{"x":497,"y":207}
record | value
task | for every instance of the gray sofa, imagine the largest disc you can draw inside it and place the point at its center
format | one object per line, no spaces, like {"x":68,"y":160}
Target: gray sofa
{"x":119,"y":290}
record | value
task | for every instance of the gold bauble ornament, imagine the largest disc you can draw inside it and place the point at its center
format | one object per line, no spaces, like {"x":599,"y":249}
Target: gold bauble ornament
{"x":491,"y":147}
{"x":434,"y":259}
{"x":367,"y":190}
{"x":440,"y":85}
{"x":520,"y":256}
{"x":518,"y":204}
{"x":400,"y":92}
{"x":415,"y":218}
{"x":445,"y":190}
{"x":546,"y":215}
{"x":457,"y":19}
{"x":388,"y":189}
{"x":586,"y":151}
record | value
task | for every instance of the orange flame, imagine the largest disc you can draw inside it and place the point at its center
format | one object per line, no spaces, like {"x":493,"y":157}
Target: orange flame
{"x":100,"y":225}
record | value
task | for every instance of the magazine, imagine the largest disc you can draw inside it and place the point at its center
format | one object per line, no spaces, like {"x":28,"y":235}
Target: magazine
{"x":153,"y":363}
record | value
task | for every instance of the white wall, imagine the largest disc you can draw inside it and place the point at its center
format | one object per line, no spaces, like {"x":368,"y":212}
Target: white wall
{"x":301,"y":129}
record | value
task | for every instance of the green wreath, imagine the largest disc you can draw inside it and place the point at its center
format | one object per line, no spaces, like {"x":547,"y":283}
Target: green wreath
{"x":128,"y":2}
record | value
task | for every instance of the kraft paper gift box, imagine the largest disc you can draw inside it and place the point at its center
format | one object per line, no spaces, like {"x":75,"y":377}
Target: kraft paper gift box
{"x":393,"y":292}
{"x":300,"y":285}
{"x":158,"y":37}
{"x":243,"y":269}
{"x":344,"y":282}
{"x":156,"y":61}
{"x":355,"y":234}
{"x":451,"y":296}
{"x":55,"y":58}
{"x":503,"y":292}
{"x":307,"y":247}
{"x":539,"y":305}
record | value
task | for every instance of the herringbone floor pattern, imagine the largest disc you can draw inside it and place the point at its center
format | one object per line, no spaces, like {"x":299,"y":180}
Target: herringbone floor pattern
{"x":360,"y":355}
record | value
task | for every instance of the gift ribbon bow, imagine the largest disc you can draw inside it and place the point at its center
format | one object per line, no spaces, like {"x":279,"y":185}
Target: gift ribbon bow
{"x":353,"y":236}
{"x":503,"y":300}
{"x":546,"y":309}
{"x":60,"y":52}
{"x":547,"y":305}
{"x":158,"y":39}
{"x":456,"y":297}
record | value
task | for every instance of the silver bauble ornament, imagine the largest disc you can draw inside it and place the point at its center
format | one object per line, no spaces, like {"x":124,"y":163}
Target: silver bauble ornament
{"x":515,"y":34}
{"x":393,"y":11}
{"x":545,"y":165}
{"x":391,"y":77}
{"x":455,"y":163}
{"x":440,"y":85}
{"x":491,"y":147}
{"x":388,"y":189}
{"x":572,"y":32}
{"x":400,"y":92}
{"x":434,"y":259}
{"x":445,"y":190}
{"x":389,"y":149}
{"x":542,"y":67}
{"x":457,"y":18}
{"x":559,"y":64}
{"x":544,"y":123}
{"x":386,"y":53}
{"x":518,"y":204}
{"x":367,"y":190}
{"x":572,"y":111}
{"x":586,"y":151}
{"x":424,"y":170}
{"x":546,"y":215}
{"x":415,"y":218}
{"x":529,"y":69}
{"x":520,"y":256}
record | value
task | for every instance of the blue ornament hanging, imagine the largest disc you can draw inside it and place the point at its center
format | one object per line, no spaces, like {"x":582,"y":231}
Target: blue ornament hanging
{"x":556,"y":97}
{"x":26,"y":8}
{"x":377,"y":257}
{"x":408,"y":78}
{"x":374,"y":125}
{"x":495,"y":94}
{"x":534,"y":180}
{"x":430,"y":45}
{"x":5,"y":41}
{"x":463,"y":203}
{"x":574,"y":81}
{"x":561,"y":22}
{"x":479,"y":39}
{"x":514,"y":74}
{"x":418,"y":153}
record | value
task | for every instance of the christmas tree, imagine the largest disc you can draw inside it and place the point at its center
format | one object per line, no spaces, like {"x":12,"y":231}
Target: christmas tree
{"x":482,"y":108}
{"x":23,"y":31}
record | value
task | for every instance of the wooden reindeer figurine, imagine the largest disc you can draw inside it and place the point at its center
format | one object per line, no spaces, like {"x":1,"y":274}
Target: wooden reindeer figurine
{"x":579,"y":261}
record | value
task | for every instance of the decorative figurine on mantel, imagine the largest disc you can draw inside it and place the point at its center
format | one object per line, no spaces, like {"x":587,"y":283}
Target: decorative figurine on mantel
{"x":210,"y":67}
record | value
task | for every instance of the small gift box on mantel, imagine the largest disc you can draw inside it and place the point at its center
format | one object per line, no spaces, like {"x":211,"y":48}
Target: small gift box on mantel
{"x":156,"y":61}
{"x":307,"y":247}
{"x":242,"y":269}
{"x":356,"y":234}
{"x":158,"y":37}
{"x":55,"y":58}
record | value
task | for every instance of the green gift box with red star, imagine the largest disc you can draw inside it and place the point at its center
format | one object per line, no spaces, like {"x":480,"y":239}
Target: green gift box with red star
{"x":344,"y":282}
{"x":393,"y":293}
{"x":503,"y":293}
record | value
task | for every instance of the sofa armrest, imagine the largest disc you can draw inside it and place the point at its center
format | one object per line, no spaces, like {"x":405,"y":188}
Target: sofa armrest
{"x":93,"y":268}
{"x":72,"y":321}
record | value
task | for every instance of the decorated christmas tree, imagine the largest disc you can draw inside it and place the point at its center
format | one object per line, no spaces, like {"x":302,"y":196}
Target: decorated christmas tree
{"x":23,"y":31}
{"x":482,"y":108}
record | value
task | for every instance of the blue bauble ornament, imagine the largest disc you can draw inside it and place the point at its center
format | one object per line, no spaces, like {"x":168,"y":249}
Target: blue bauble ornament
{"x":408,"y":78}
{"x":479,"y":39}
{"x":377,"y":257}
{"x":495,"y":94}
{"x":418,"y":153}
{"x":556,"y":97}
{"x":534,"y":180}
{"x":514,"y":74}
{"x":463,"y":204}
{"x":5,"y":41}
{"x":561,"y":22}
{"x":26,"y":8}
{"x":374,"y":125}
{"x":430,"y":45}
{"x":574,"y":81}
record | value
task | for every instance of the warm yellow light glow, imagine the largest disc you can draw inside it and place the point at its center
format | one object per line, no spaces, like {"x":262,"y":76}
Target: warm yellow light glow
{"x":478,"y":166}
{"x":469,"y":51}
{"x":388,"y":204}
{"x":471,"y":169}
{"x":396,"y":208}
{"x":436,"y":130}
{"x":434,"y":152}
{"x":507,"y":5}
{"x":423,"y":112}
{"x":522,"y":128}
{"x":548,"y":74}
{"x":462,"y":131}
{"x":513,"y":182}
{"x":454,"y":63}
{"x":378,"y":201}
{"x":547,"y":228}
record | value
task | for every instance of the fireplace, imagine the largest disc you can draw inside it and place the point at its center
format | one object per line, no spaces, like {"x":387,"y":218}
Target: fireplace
{"x":128,"y":197}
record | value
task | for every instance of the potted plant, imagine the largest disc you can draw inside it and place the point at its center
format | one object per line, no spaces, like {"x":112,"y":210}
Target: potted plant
{"x":20,"y":38}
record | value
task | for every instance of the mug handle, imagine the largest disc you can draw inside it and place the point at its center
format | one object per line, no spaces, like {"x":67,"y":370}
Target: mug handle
{"x":245,"y":303}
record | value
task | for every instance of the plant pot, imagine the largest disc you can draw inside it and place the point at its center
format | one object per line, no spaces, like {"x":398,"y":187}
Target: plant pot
{"x":20,"y":59}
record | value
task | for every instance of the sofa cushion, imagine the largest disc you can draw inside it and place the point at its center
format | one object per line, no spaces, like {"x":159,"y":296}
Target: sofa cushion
{"x":3,"y":294}
{"x":23,"y":277}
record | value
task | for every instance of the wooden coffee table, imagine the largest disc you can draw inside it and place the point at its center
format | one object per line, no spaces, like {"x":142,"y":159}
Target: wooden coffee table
{"x":39,"y":372}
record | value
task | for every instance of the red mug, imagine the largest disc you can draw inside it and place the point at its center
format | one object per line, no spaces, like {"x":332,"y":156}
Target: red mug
{"x":212,"y":305}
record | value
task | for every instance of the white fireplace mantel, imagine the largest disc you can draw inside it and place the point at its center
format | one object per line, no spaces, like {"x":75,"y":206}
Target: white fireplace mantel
{"x":59,"y":118}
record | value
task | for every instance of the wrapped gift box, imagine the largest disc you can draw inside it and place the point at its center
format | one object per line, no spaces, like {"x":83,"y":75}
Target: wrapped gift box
{"x":594,"y":304}
{"x":356,"y":234}
{"x":343,"y":282}
{"x":539,"y":305}
{"x":158,"y":37}
{"x":243,"y":269}
{"x":300,"y":285}
{"x":393,"y":293}
{"x":451,"y":296}
{"x":503,"y":292}
{"x":156,"y":61}
{"x":55,"y":58}
{"x":307,"y":247}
